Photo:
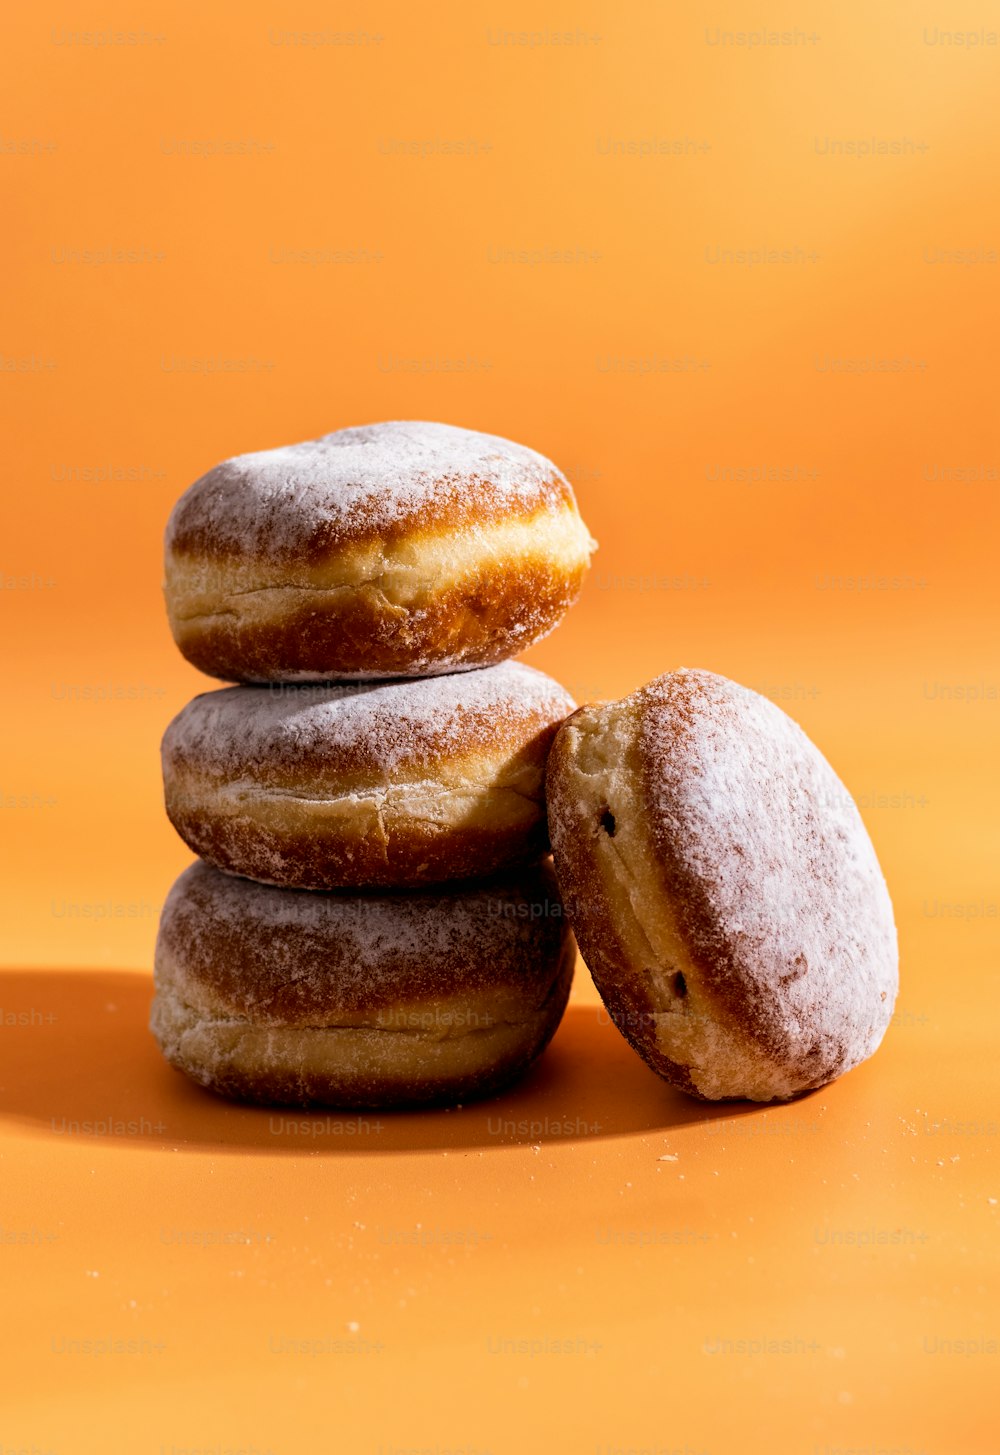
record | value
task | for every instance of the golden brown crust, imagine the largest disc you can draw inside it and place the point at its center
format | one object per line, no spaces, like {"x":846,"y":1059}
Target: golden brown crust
{"x":391,"y":1000}
{"x":487,"y":617}
{"x":725,"y":894}
{"x":352,"y":786}
{"x":368,"y":845}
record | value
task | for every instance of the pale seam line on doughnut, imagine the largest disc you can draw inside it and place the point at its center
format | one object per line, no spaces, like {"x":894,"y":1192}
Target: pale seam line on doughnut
{"x":219,"y":1018}
{"x":455,"y":778}
{"x":709,"y":1035}
{"x":383,"y":832}
{"x":560,"y":540}
{"x":243,"y":789}
{"x":238,"y":797}
{"x":416,"y":1033}
{"x":340,"y":1054}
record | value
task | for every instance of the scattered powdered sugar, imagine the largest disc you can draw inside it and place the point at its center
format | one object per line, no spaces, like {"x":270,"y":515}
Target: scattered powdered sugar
{"x":363,"y":480}
{"x":778,"y":884}
{"x":385,"y":724}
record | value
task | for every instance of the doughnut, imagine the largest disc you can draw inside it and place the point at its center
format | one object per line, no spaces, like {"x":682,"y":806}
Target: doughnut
{"x":357,"y":785}
{"x":723,"y":889}
{"x":289,"y":998}
{"x":402,"y":549}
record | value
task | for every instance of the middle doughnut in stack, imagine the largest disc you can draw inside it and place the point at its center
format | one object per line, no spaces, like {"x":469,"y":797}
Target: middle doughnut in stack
{"x":367,"y":806}
{"x":350,"y":786}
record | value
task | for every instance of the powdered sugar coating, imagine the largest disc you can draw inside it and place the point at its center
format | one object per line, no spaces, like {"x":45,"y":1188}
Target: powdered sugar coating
{"x":356,"y":484}
{"x":775,"y":882}
{"x":290,"y":956}
{"x":378,"y":727}
{"x":289,"y":998}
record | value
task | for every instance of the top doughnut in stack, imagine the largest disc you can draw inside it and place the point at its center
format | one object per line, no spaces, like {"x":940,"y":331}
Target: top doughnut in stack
{"x":404,"y":549}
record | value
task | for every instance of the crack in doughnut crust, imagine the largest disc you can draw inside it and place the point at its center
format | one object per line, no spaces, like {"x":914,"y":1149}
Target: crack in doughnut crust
{"x":382,"y":784}
{"x":399,"y":549}
{"x":292,"y":998}
{"x":724,"y":891}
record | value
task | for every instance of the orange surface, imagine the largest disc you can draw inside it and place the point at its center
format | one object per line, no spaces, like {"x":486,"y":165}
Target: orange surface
{"x":219,"y":238}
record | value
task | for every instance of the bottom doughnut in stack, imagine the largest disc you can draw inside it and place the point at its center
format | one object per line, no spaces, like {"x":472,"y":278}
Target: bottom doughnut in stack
{"x":379,"y":1000}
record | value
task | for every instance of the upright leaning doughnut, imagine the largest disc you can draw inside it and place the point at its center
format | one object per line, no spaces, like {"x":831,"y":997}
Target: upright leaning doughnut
{"x":397,"y":549}
{"x":290,"y":998}
{"x":724,"y":892}
{"x":359,"y":784}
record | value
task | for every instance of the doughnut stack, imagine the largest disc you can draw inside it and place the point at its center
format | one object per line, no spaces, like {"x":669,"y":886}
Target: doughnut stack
{"x":372,"y":920}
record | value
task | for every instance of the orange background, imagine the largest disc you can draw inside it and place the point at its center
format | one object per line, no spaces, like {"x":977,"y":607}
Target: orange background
{"x":428,"y":213}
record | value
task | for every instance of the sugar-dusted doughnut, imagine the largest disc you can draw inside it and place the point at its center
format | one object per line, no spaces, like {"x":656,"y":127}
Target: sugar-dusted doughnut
{"x":724,"y":891}
{"x":290,"y":998}
{"x":398,"y":549}
{"x":409,"y":782}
